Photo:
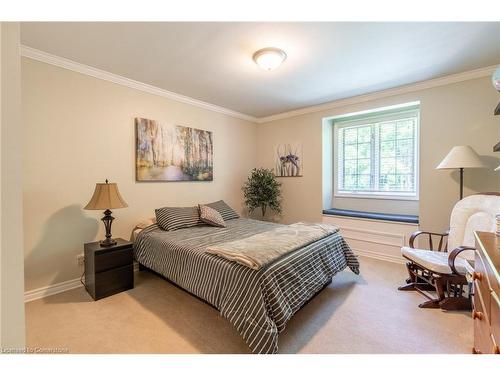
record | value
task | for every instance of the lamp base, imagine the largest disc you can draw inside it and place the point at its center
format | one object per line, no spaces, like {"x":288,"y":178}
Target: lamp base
{"x":107,"y":242}
{"x":108,"y":220}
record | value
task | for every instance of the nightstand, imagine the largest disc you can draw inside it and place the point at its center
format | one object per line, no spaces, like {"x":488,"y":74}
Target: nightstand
{"x":108,"y":270}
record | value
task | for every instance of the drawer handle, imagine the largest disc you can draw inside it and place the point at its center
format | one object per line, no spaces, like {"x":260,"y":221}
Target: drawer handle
{"x":477,"y":315}
{"x":477,"y":276}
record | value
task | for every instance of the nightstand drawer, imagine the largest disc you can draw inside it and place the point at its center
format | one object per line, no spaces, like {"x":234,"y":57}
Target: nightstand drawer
{"x":114,"y":281}
{"x":113,"y":259}
{"x":108,"y":270}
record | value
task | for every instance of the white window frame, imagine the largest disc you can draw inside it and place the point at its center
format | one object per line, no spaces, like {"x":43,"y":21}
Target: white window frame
{"x":365,"y":118}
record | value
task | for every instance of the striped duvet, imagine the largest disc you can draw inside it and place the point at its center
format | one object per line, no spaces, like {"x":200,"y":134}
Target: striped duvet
{"x":258,"y":303}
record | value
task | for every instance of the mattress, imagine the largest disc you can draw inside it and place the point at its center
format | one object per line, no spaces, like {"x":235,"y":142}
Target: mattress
{"x":258,"y":303}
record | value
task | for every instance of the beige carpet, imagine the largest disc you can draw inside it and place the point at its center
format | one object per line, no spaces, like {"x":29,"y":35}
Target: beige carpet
{"x":355,"y":314}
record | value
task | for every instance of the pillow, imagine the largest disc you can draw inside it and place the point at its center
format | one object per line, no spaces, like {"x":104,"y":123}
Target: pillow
{"x":226,"y":212}
{"x":172,"y":218}
{"x":146,"y":223}
{"x":211,"y":216}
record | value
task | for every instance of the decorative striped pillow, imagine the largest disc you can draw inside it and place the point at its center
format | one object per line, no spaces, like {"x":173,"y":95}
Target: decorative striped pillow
{"x":211,"y":216}
{"x":172,"y":218}
{"x":226,"y":212}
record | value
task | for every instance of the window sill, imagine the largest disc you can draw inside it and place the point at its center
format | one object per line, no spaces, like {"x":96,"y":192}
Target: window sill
{"x":412,"y":219}
{"x":377,"y":196}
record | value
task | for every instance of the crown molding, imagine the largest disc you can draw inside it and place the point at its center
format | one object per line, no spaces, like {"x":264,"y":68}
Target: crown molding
{"x":418,"y":86}
{"x":62,"y":62}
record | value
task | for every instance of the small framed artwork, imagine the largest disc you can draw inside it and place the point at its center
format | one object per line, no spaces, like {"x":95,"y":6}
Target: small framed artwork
{"x":166,"y":152}
{"x":288,"y":160}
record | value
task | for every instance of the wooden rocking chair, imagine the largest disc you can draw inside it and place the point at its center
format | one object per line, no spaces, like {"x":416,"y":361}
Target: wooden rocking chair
{"x":434,"y":269}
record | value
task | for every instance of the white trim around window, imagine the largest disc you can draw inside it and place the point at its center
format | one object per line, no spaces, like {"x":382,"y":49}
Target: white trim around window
{"x":367,"y":134}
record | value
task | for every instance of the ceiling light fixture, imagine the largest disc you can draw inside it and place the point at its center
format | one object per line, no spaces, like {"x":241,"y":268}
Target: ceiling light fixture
{"x":269,"y":58}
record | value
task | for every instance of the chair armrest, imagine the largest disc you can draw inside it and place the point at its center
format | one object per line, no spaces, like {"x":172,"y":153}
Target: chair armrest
{"x":430,"y":234}
{"x":453,"y":255}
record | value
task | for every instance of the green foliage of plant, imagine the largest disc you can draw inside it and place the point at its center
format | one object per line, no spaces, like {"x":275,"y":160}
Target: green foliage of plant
{"x":262,"y":190}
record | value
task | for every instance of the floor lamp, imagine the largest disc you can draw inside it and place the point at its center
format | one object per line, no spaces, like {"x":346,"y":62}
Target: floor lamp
{"x":461,"y":157}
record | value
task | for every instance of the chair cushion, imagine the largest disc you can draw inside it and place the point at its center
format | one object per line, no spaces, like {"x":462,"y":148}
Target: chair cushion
{"x":435,"y":261}
{"x":474,"y":212}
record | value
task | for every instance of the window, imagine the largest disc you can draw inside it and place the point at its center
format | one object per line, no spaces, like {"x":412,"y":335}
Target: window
{"x":376,"y":154}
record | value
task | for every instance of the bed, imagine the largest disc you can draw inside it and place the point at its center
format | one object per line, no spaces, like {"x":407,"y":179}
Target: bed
{"x":258,"y":303}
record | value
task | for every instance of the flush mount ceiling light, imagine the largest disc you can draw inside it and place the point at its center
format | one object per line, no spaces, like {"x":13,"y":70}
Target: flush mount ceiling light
{"x":269,"y":58}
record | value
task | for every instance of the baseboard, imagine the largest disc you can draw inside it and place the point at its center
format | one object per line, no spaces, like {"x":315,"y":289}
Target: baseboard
{"x":377,"y":239}
{"x":50,"y":290}
{"x":379,"y":256}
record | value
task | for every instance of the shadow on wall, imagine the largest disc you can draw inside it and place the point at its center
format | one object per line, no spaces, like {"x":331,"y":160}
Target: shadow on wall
{"x":271,"y":216}
{"x":54,"y":256}
{"x":476,"y":178}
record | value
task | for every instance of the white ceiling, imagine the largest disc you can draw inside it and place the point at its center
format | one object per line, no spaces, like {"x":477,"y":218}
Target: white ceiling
{"x":212,"y":62}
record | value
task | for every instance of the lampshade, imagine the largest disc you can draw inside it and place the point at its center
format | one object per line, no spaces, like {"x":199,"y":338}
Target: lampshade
{"x":106,"y":196}
{"x":461,"y":157}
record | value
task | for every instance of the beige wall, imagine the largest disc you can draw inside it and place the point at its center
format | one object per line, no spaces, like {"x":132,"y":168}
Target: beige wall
{"x":455,"y":114}
{"x":11,"y":238}
{"x":78,"y":131}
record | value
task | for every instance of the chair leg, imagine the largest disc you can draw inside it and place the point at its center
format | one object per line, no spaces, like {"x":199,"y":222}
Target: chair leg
{"x":449,"y":289}
{"x":456,"y":299}
{"x":431,"y":304}
{"x":413,"y":282}
{"x":456,"y":303}
{"x":414,"y":286}
{"x":410,"y":281}
{"x":439,"y":283}
{"x":435,"y":303}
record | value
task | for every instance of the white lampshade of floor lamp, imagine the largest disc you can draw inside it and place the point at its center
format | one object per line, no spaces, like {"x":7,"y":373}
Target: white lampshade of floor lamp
{"x":461,"y":157}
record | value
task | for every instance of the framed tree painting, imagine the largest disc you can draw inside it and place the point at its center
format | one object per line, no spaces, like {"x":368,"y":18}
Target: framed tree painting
{"x":288,"y":160}
{"x":166,"y":152}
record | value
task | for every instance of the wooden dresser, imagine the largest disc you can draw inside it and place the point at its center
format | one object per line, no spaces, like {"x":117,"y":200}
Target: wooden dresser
{"x":486,"y":312}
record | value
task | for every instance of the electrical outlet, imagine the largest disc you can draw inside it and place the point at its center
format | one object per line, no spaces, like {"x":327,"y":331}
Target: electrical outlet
{"x":80,"y":259}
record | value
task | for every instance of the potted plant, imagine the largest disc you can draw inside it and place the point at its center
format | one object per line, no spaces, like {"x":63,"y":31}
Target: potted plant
{"x":262,"y":190}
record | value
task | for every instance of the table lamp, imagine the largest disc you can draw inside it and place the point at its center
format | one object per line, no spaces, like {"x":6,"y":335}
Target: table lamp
{"x":106,"y":196}
{"x":461,"y":157}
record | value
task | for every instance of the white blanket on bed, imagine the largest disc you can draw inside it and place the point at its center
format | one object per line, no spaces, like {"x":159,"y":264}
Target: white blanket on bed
{"x":260,"y":249}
